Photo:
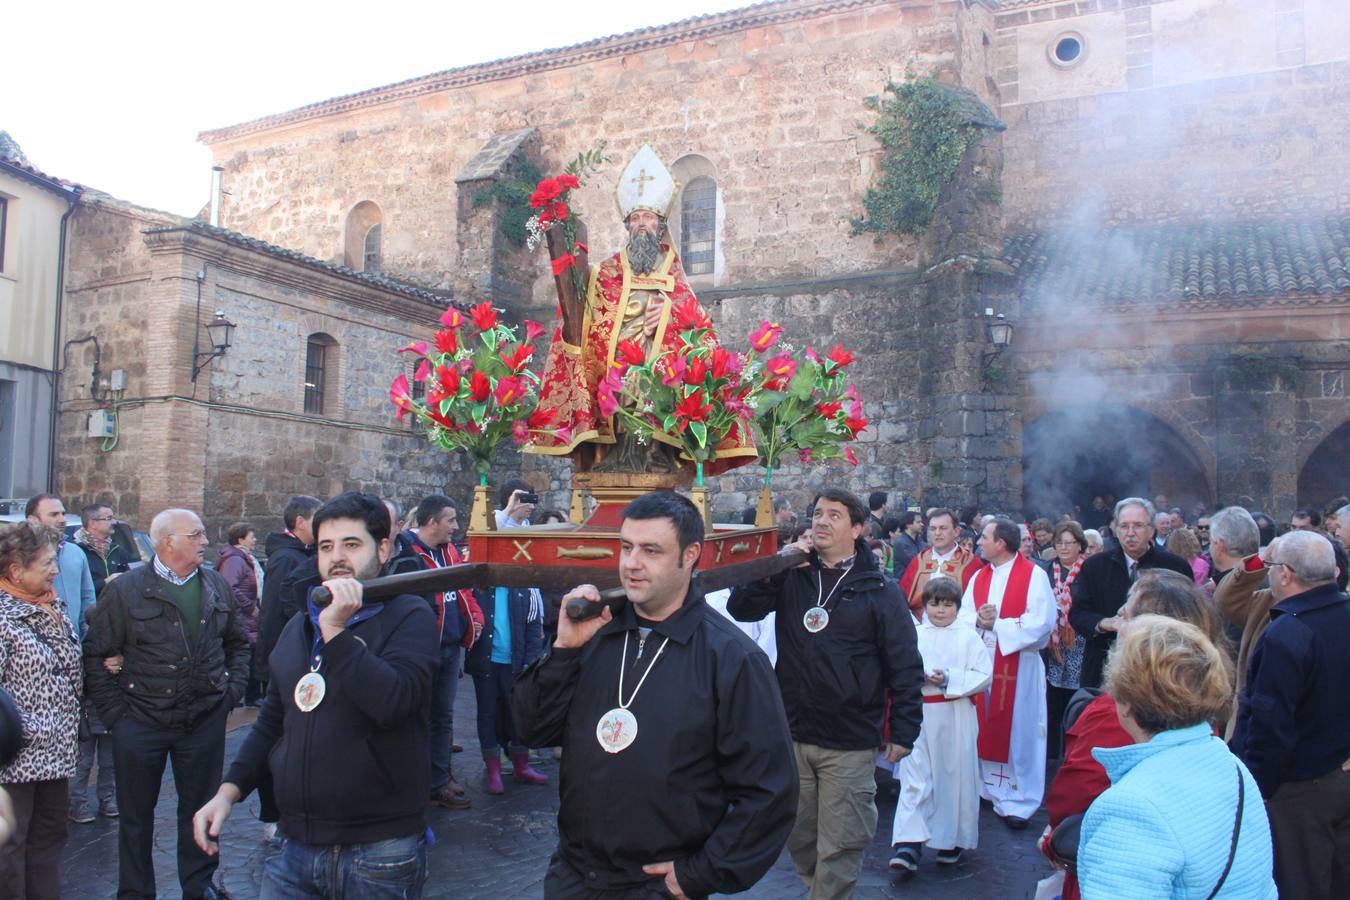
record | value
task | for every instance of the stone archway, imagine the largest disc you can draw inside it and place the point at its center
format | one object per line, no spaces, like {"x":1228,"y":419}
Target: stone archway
{"x":1326,"y":475}
{"x":1071,"y":455}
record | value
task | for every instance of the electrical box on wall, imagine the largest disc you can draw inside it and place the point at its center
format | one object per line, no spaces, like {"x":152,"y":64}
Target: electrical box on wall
{"x":117,"y":381}
{"x":101,"y":424}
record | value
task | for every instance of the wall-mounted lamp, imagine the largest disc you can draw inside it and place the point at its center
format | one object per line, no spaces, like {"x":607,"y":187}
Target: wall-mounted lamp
{"x":221,"y":333}
{"x":999,"y":332}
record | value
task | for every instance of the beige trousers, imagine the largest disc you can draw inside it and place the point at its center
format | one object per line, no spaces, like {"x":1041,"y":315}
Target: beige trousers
{"x":836,"y":818}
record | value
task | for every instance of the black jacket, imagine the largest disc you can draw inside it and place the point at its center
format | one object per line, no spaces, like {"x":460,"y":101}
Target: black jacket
{"x":357,"y":768}
{"x":527,"y":638}
{"x":1099,"y":592}
{"x":1293,"y":719}
{"x":405,"y":558}
{"x":709,"y":781}
{"x":100,"y":567}
{"x":289,"y":562}
{"x":163,"y":681}
{"x":835,"y":681}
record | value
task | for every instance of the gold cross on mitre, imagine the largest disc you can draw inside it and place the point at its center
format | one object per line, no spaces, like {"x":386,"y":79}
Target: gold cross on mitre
{"x":645,"y":183}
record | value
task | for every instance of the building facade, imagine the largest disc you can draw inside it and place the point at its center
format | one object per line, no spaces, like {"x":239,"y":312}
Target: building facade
{"x":1163,"y":218}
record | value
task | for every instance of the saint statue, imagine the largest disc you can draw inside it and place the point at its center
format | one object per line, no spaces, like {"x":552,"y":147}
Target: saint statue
{"x":629,"y":296}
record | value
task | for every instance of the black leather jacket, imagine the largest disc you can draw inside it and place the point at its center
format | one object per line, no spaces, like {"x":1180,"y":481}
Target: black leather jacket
{"x":163,"y":681}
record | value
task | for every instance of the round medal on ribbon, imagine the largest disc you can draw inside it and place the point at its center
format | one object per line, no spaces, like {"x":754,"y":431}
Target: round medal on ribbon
{"x":616,"y":730}
{"x":309,"y":691}
{"x":816,"y":618}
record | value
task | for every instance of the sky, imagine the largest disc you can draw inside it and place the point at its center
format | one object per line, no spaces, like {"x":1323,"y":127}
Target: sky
{"x":113,"y":94}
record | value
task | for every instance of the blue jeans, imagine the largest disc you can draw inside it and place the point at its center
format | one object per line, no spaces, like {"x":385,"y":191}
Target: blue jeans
{"x":443,"y":715}
{"x":382,"y":870}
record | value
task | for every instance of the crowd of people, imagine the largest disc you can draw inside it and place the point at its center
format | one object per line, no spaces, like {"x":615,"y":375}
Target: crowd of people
{"x":1178,"y":677}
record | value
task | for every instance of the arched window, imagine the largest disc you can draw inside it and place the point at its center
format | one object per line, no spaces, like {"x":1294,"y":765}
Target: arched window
{"x":694,"y":222}
{"x":321,"y":359}
{"x":698,"y":226}
{"x":362,"y":236}
{"x":372,"y":252}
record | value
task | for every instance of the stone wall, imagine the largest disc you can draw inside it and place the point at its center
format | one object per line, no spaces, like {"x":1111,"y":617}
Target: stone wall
{"x":1177,"y":109}
{"x":238,"y":443}
{"x":771,"y":100}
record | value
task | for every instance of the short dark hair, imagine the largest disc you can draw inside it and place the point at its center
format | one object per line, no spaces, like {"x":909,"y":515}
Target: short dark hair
{"x":301,"y":506}
{"x":1042,"y":524}
{"x":237,"y":532}
{"x":30,"y":508}
{"x":431,"y":507}
{"x":857,"y":514}
{"x":748,"y":515}
{"x":509,"y":487}
{"x":87,"y":513}
{"x":942,"y":588}
{"x":876,"y":500}
{"x":544,"y":515}
{"x":681,"y":512}
{"x":356,"y":505}
{"x":1265,"y":525}
{"x":1313,"y":516}
{"x":781,"y":502}
{"x":891,"y":523}
{"x":944,"y":511}
{"x":1007,"y":533}
{"x":967,"y":517}
{"x":907,"y":518}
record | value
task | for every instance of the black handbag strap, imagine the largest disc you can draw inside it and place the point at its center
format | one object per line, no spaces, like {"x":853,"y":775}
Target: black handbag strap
{"x":1237,"y":831}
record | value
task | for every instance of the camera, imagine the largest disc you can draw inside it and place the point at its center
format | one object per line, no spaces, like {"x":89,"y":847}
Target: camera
{"x":528,"y":497}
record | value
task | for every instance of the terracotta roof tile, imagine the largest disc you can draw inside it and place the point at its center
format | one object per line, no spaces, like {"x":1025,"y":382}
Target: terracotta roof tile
{"x":1202,"y":261}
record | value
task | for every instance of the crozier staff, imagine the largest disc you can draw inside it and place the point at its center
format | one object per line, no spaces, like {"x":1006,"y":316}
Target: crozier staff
{"x":678,"y":768}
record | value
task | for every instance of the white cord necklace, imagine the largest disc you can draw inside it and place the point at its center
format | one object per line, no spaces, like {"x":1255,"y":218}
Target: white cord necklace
{"x":617,"y":729}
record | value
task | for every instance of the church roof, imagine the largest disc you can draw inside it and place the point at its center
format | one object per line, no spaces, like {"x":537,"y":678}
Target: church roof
{"x":1219,"y":263}
{"x":702,"y":27}
{"x":439,"y":298}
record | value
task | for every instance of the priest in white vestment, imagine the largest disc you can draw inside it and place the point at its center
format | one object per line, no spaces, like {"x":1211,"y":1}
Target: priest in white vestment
{"x":939,"y":802}
{"x":1012,"y":605}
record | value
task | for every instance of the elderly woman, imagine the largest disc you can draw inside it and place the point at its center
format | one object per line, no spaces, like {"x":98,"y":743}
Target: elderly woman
{"x":1081,"y":778}
{"x":1183,"y":817}
{"x":1184,"y":543}
{"x":1064,"y":655}
{"x":1094,"y":541}
{"x":41,"y":668}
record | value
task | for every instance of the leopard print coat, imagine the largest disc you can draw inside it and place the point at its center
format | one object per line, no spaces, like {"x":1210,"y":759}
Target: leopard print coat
{"x":45,"y":677}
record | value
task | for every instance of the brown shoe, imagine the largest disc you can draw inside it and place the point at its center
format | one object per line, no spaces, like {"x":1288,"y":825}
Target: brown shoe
{"x":449,"y":799}
{"x":456,"y":788}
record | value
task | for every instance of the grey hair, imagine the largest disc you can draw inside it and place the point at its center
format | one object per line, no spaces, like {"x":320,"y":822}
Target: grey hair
{"x":1140,"y":502}
{"x":1237,"y":529}
{"x":1092,"y":536}
{"x":1309,"y":556}
{"x":161,"y":526}
{"x":1343,"y":512}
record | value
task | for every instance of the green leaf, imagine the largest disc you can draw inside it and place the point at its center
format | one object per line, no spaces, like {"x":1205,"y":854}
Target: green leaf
{"x":669,"y":424}
{"x":478,"y":411}
{"x":700,"y":432}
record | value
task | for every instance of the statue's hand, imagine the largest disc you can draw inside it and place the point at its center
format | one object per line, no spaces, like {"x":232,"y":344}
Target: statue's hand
{"x":652,"y":318}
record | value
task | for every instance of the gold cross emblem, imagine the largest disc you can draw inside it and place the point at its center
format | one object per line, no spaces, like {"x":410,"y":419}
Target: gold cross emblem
{"x":641,"y":178}
{"x":522,"y":549}
{"x":1002,"y":679}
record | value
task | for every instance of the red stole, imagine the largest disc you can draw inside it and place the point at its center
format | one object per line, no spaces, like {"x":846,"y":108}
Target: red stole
{"x":996,"y":710}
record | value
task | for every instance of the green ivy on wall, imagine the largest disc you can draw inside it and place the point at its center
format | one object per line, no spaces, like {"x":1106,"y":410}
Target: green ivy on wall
{"x":512,"y":190}
{"x":924,"y":129}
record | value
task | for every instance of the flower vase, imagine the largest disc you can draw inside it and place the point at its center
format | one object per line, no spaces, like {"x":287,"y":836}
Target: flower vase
{"x":764,"y":508}
{"x":481,"y":517}
{"x":699,"y":495}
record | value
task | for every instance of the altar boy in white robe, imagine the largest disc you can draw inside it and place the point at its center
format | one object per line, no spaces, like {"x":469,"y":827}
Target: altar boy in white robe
{"x":1012,"y":606}
{"x":939,"y":801}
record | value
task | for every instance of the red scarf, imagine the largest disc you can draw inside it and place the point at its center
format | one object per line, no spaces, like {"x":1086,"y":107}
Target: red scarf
{"x":996,"y":712}
{"x":1063,"y":636}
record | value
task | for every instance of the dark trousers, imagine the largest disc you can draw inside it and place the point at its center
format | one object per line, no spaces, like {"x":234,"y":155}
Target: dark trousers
{"x":1310,"y":824}
{"x":139,"y":752}
{"x":562,"y":882}
{"x":493,"y":692}
{"x":30,"y":864}
{"x":1056,"y":700}
{"x":443,"y":690}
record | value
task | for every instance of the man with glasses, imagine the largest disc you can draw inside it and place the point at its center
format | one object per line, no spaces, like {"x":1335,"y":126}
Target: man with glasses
{"x":1202,"y":533}
{"x":107,"y":558}
{"x":1293,"y":724}
{"x":183,"y":664}
{"x":1100,"y":589}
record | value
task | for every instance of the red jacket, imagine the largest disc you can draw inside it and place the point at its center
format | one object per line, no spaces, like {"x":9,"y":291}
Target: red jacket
{"x":468,"y":606}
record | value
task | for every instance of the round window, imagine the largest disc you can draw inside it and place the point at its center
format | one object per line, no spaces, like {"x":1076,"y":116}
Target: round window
{"x":1067,"y":49}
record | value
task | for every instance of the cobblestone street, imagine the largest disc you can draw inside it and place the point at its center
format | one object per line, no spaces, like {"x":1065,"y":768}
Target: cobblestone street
{"x":500,"y":847}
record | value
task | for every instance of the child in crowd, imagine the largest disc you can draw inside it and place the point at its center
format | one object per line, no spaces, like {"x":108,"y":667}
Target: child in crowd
{"x":939,"y":801}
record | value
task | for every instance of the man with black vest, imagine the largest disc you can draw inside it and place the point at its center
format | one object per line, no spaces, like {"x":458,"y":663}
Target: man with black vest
{"x":845,"y":639}
{"x":344,"y":723}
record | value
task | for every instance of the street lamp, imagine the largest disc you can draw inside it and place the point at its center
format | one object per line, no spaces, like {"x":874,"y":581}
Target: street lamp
{"x":999,"y":331}
{"x":221,"y":333}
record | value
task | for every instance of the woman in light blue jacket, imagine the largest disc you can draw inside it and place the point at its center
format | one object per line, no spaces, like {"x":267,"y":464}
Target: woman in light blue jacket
{"x":1183,"y":818}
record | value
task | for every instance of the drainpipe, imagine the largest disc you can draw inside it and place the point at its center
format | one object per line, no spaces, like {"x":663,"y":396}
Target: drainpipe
{"x":72,"y":204}
{"x":215,"y":195}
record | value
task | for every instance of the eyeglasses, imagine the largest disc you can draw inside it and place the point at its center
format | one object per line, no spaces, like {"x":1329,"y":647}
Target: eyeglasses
{"x":195,"y":535}
{"x":102,"y":518}
{"x":1066,"y":544}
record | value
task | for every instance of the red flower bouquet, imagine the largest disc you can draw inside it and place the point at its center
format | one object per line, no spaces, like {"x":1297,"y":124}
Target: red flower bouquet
{"x":478,"y":389}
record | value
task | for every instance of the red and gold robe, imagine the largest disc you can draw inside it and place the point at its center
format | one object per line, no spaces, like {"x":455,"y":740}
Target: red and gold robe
{"x":960,"y":567}
{"x":572,"y":375}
